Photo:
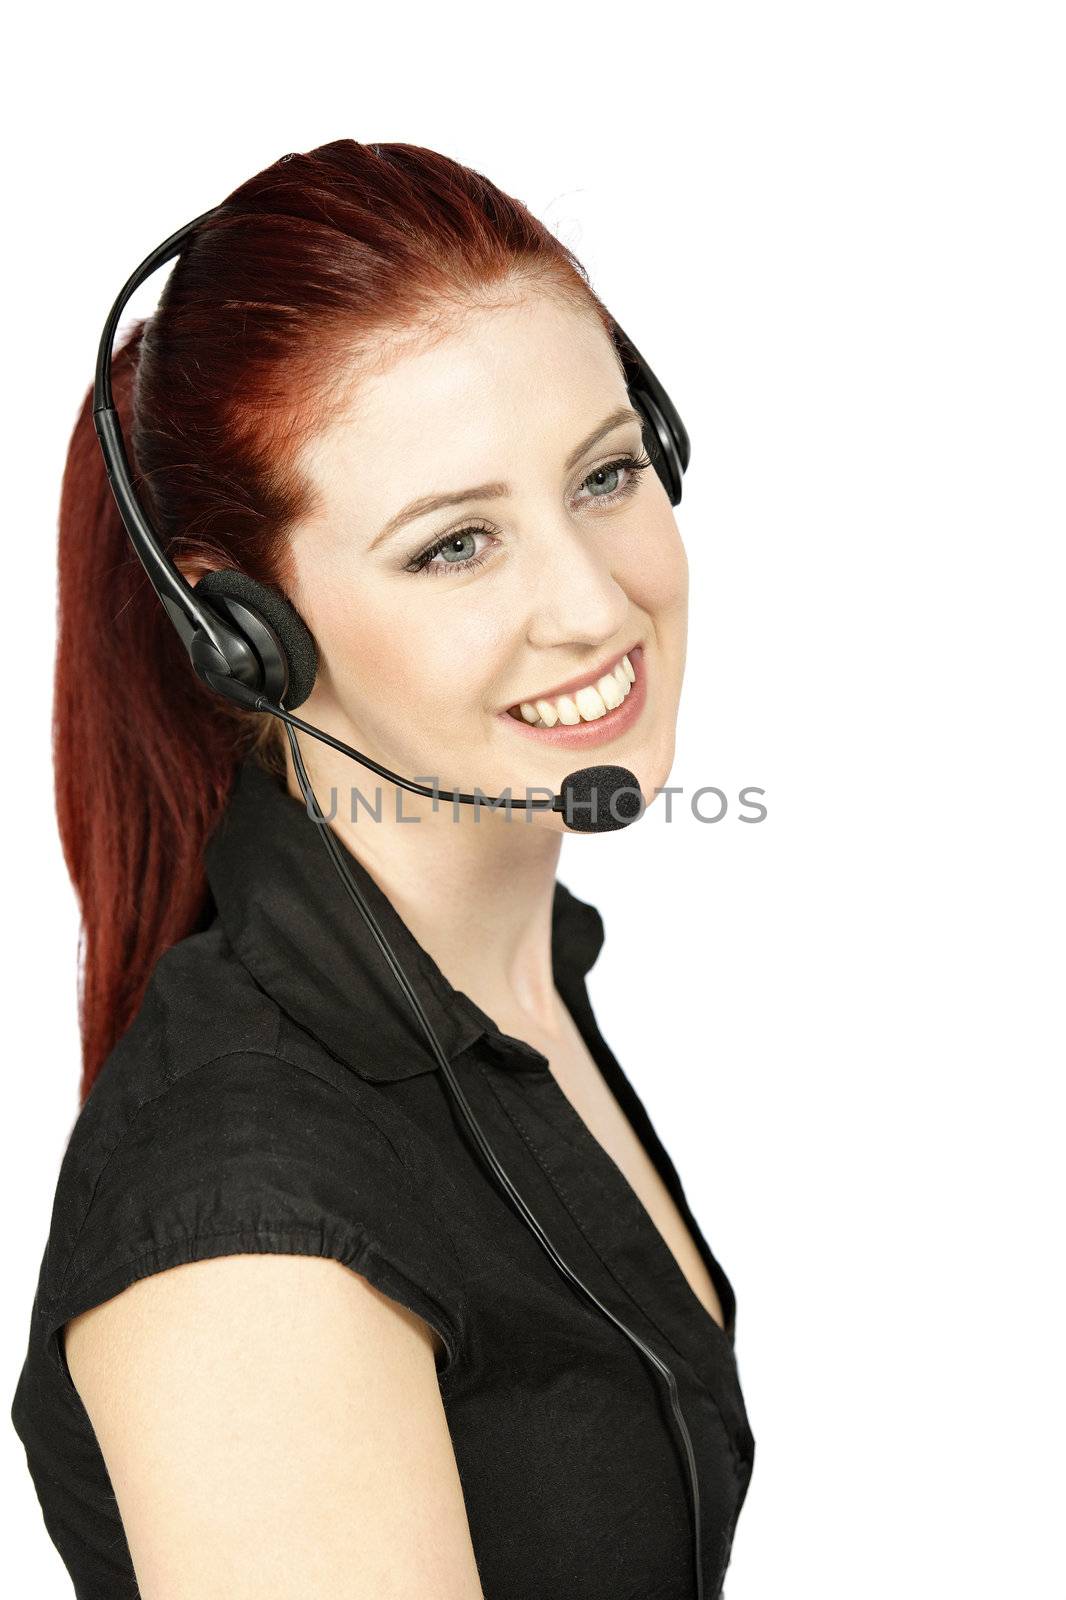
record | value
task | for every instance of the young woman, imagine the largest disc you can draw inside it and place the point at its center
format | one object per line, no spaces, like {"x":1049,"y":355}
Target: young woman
{"x":290,"y":1336}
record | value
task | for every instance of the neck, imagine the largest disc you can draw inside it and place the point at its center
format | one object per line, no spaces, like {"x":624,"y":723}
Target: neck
{"x":475,"y":889}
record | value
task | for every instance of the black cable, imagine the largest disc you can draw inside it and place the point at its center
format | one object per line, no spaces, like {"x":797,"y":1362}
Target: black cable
{"x":336,"y":852}
{"x":255,"y":700}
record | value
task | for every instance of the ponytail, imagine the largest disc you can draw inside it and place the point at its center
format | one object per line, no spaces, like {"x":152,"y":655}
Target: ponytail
{"x":144,"y":757}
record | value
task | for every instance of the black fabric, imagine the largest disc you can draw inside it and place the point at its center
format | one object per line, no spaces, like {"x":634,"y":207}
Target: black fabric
{"x":275,"y":1093}
{"x":293,"y":634}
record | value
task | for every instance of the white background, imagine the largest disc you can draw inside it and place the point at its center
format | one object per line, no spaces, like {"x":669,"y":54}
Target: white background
{"x":836,"y":231}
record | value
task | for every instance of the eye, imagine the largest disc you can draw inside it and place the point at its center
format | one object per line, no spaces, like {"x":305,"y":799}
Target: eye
{"x":630,"y":465}
{"x":456,"y":548}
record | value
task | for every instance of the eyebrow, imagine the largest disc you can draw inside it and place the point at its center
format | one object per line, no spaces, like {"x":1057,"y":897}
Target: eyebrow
{"x":496,"y":491}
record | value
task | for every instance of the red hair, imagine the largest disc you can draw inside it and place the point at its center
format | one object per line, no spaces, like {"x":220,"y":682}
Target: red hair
{"x":320,"y":260}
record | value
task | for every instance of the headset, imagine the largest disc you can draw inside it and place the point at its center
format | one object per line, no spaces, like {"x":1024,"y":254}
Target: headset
{"x":247,"y":642}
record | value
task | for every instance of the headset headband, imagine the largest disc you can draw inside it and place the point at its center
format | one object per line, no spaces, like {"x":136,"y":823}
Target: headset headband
{"x":213,"y":643}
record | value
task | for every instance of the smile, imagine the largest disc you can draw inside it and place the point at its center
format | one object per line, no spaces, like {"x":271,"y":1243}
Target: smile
{"x":592,"y":711}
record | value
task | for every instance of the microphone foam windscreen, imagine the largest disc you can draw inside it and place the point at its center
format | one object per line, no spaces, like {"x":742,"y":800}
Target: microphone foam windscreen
{"x":600,"y":799}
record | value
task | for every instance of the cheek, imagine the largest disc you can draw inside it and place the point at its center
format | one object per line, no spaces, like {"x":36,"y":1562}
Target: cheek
{"x":652,"y":566}
{"x":403,"y":649}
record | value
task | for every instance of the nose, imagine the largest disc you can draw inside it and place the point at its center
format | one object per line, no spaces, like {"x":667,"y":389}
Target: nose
{"x":573,"y":596}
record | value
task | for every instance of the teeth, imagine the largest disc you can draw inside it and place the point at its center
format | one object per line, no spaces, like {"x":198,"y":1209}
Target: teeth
{"x":610,"y":691}
{"x":587,"y":704}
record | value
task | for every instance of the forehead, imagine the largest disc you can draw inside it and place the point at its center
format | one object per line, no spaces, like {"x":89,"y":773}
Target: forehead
{"x":529,"y":379}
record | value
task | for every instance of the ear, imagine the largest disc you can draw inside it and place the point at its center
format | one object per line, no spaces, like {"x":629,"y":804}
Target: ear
{"x":193,"y":569}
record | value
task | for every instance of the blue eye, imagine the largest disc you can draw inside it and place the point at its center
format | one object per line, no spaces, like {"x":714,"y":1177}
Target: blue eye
{"x":455,"y":549}
{"x":610,"y":471}
{"x":451,"y":549}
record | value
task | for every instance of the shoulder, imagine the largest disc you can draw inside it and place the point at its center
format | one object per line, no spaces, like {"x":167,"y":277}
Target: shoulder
{"x":214,"y":1131}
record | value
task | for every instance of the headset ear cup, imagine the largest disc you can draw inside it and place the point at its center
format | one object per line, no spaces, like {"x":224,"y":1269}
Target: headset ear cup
{"x":660,"y":443}
{"x":665,"y":436}
{"x":282,"y":641}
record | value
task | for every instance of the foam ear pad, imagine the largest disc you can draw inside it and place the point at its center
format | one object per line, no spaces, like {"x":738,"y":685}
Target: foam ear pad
{"x":291,"y":633}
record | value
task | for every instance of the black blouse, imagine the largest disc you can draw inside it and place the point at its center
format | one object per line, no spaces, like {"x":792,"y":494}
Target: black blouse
{"x":275,"y":1093}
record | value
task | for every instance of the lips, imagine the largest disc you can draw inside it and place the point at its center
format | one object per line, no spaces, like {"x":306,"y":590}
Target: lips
{"x":603,"y":726}
{"x":594,"y":694}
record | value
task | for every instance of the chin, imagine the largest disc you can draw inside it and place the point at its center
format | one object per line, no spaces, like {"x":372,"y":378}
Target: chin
{"x":653,"y":772}
{"x":650,"y":768}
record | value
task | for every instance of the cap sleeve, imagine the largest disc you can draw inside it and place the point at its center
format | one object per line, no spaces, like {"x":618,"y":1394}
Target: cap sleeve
{"x":253,"y":1154}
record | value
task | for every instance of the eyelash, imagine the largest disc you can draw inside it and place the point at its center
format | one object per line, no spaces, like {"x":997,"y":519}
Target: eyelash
{"x":421,"y":563}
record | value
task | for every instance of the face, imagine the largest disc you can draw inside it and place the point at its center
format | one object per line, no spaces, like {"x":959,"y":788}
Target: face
{"x":558,"y":556}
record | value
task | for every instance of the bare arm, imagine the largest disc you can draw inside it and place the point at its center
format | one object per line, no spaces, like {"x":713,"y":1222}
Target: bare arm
{"x":273,"y":1427}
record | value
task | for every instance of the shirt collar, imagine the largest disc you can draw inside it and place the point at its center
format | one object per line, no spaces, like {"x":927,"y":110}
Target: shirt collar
{"x":291,"y":922}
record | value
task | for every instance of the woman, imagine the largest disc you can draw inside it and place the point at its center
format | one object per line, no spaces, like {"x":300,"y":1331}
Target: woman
{"x":290,"y":1337}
